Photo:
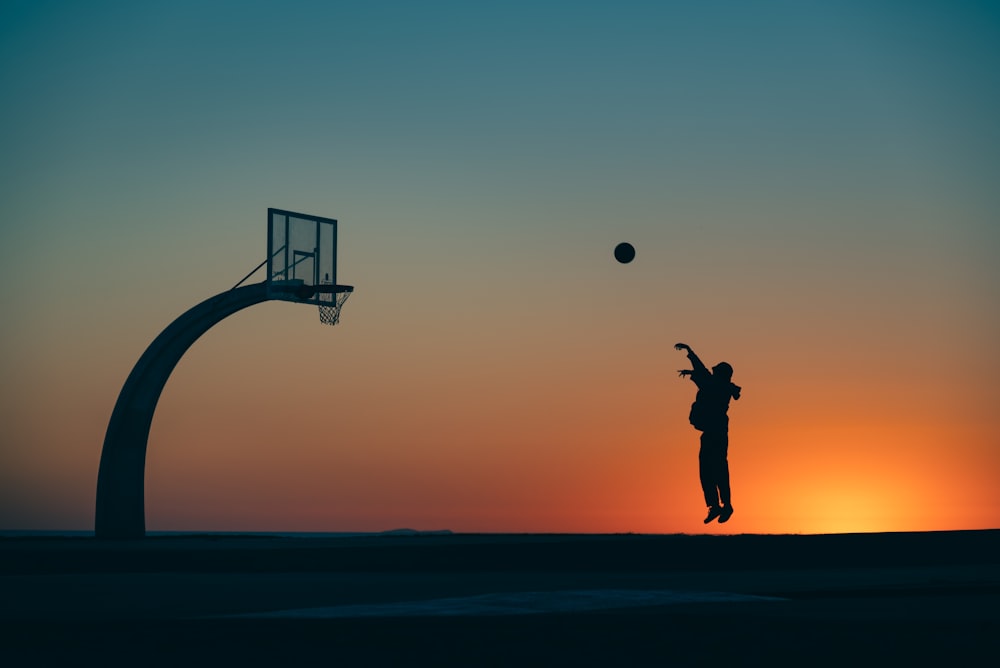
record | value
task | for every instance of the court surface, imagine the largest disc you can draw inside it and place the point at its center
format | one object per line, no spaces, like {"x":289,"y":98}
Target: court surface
{"x":501,"y":599}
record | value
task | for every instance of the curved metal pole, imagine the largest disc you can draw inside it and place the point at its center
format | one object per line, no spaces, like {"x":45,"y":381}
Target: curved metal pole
{"x":121,"y":479}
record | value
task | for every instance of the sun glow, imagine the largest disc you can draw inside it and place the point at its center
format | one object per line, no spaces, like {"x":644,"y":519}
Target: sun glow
{"x":852,"y":507}
{"x":846,"y":479}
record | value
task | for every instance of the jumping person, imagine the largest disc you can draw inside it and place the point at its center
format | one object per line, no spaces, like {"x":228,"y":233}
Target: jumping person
{"x":709,"y":415}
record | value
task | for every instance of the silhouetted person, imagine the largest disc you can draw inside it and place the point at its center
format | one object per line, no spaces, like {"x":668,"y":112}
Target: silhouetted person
{"x":709,"y":415}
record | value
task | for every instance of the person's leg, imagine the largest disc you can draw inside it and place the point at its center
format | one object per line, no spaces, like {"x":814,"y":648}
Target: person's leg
{"x":707,"y":471}
{"x":722,"y":470}
{"x":723,"y":480}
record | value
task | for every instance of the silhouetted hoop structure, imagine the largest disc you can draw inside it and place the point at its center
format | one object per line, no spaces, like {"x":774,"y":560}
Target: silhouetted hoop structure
{"x":310,"y":252}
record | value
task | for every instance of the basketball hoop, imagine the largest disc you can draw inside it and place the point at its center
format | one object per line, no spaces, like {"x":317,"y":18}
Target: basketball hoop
{"x":329,"y":311}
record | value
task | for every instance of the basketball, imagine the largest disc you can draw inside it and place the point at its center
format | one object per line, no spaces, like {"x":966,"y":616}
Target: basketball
{"x":624,"y":252}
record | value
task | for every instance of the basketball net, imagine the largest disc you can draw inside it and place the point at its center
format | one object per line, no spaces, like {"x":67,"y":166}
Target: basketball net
{"x":329,"y":314}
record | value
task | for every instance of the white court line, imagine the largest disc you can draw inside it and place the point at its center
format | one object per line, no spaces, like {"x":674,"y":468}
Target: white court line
{"x":514,"y":603}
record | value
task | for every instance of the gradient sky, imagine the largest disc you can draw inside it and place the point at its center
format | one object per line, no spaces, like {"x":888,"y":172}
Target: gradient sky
{"x":812,"y":189}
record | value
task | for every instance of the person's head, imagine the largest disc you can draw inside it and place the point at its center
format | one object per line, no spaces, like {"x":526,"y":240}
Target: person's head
{"x":723,"y":370}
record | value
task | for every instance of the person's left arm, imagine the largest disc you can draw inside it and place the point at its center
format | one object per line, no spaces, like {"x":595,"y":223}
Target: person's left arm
{"x":700,"y":371}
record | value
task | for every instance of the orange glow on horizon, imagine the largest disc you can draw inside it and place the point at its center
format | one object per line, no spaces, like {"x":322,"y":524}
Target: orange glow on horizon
{"x":841,"y":484}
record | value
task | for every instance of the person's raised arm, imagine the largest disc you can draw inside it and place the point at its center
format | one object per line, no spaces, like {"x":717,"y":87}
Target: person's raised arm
{"x":699,"y":366}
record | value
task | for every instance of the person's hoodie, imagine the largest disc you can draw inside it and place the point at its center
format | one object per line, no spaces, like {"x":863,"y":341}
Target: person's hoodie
{"x":710,"y":409}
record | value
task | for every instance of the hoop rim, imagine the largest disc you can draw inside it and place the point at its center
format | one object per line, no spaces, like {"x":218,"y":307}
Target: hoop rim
{"x":325,"y":288}
{"x":310,"y":291}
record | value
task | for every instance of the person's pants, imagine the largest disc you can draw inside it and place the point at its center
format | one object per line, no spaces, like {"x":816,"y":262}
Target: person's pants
{"x":713,"y":466}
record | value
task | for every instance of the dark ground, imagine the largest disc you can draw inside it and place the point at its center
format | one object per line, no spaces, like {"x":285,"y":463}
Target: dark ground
{"x":855,"y":599}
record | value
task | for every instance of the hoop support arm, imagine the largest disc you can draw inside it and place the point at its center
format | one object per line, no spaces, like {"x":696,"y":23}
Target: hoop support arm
{"x":120,"y":511}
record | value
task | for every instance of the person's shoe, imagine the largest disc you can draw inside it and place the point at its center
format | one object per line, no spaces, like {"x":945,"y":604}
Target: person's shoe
{"x":713,"y":512}
{"x":726,"y":513}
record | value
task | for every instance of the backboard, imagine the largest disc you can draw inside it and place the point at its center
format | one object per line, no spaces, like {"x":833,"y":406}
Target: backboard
{"x":301,"y":254}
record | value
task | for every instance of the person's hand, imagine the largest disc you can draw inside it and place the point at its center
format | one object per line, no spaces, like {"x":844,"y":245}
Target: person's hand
{"x":681,"y":346}
{"x":684,"y":372}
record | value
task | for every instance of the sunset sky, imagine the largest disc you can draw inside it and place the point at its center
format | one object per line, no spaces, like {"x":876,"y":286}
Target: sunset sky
{"x":812,"y":189}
